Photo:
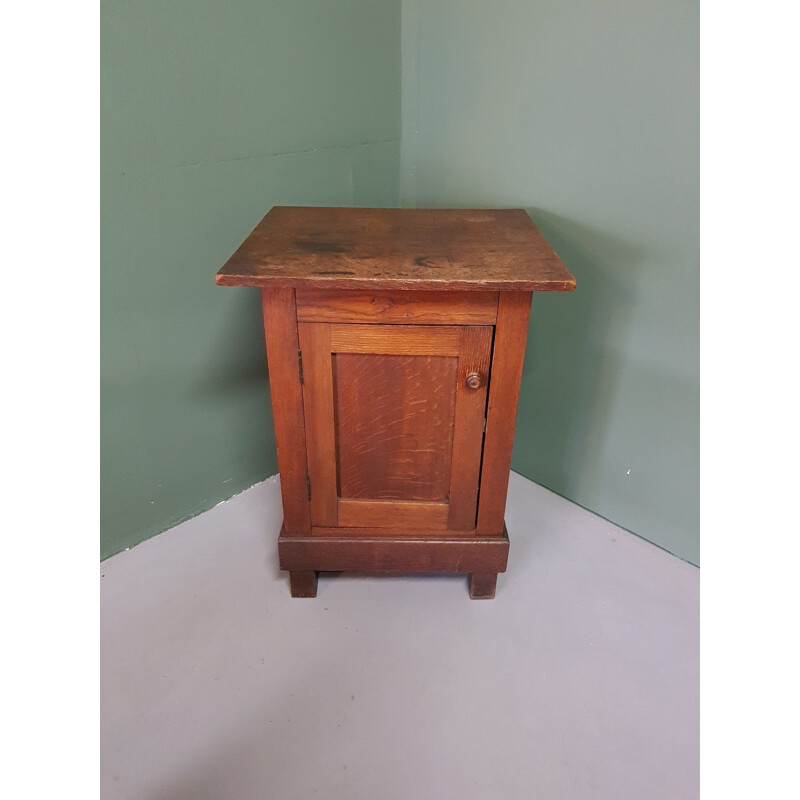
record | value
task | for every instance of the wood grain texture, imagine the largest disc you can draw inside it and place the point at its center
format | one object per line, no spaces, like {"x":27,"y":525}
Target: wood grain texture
{"x":376,"y":249}
{"x":378,"y":513}
{"x":484,"y":554}
{"x":376,"y":308}
{"x":476,"y":344}
{"x":394,"y":425}
{"x":418,"y":340}
{"x":508,"y":355}
{"x":280,"y":326}
{"x":315,"y":343}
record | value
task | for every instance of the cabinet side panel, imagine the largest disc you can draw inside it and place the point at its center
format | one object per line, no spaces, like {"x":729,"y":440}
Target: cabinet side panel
{"x":508,"y":355}
{"x":280,"y":328}
{"x":476,"y":345}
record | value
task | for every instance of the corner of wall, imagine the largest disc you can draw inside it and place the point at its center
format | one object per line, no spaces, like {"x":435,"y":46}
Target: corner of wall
{"x":409,"y":103}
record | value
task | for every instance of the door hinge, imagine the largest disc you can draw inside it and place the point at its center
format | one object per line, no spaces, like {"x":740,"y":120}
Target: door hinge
{"x":484,"y":424}
{"x":300,"y":364}
{"x":308,"y":486}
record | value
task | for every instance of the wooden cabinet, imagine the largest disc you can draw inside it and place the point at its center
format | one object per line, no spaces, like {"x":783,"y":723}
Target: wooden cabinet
{"x":395,"y":342}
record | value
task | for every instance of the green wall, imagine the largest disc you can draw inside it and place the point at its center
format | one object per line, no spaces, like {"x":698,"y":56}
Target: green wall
{"x":211,"y":113}
{"x":584,"y":112}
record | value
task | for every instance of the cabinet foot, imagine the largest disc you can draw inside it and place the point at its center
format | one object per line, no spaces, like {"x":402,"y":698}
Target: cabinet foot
{"x":482,"y":585}
{"x":303,"y":583}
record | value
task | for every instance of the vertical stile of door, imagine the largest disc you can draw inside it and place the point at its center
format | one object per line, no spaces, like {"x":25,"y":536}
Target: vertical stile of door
{"x":474,"y":352}
{"x":280,"y":326}
{"x":315,"y":344}
{"x":508,"y":355}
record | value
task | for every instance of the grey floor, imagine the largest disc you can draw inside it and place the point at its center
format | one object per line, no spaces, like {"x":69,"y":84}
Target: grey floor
{"x":580,"y":680}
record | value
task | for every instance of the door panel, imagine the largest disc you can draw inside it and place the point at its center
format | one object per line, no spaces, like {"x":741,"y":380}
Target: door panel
{"x":394,"y":426}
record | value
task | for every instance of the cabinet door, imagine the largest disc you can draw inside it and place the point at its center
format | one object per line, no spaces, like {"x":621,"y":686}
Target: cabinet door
{"x":394,"y":424}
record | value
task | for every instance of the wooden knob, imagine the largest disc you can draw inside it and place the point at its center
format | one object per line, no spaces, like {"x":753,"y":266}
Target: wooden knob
{"x":474,"y":380}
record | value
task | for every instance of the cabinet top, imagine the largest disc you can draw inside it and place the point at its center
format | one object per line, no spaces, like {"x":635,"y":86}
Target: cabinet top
{"x":397,"y":248}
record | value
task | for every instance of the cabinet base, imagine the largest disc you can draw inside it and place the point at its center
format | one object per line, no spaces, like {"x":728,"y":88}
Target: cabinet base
{"x":480,"y":556}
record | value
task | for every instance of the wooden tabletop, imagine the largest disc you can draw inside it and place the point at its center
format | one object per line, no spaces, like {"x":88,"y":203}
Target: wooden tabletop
{"x":393,"y":248}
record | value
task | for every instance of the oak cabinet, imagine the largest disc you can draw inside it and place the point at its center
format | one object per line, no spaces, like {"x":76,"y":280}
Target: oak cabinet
{"x":395,"y":342}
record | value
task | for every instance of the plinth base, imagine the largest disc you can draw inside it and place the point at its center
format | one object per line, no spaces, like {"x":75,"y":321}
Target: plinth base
{"x":480,"y":556}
